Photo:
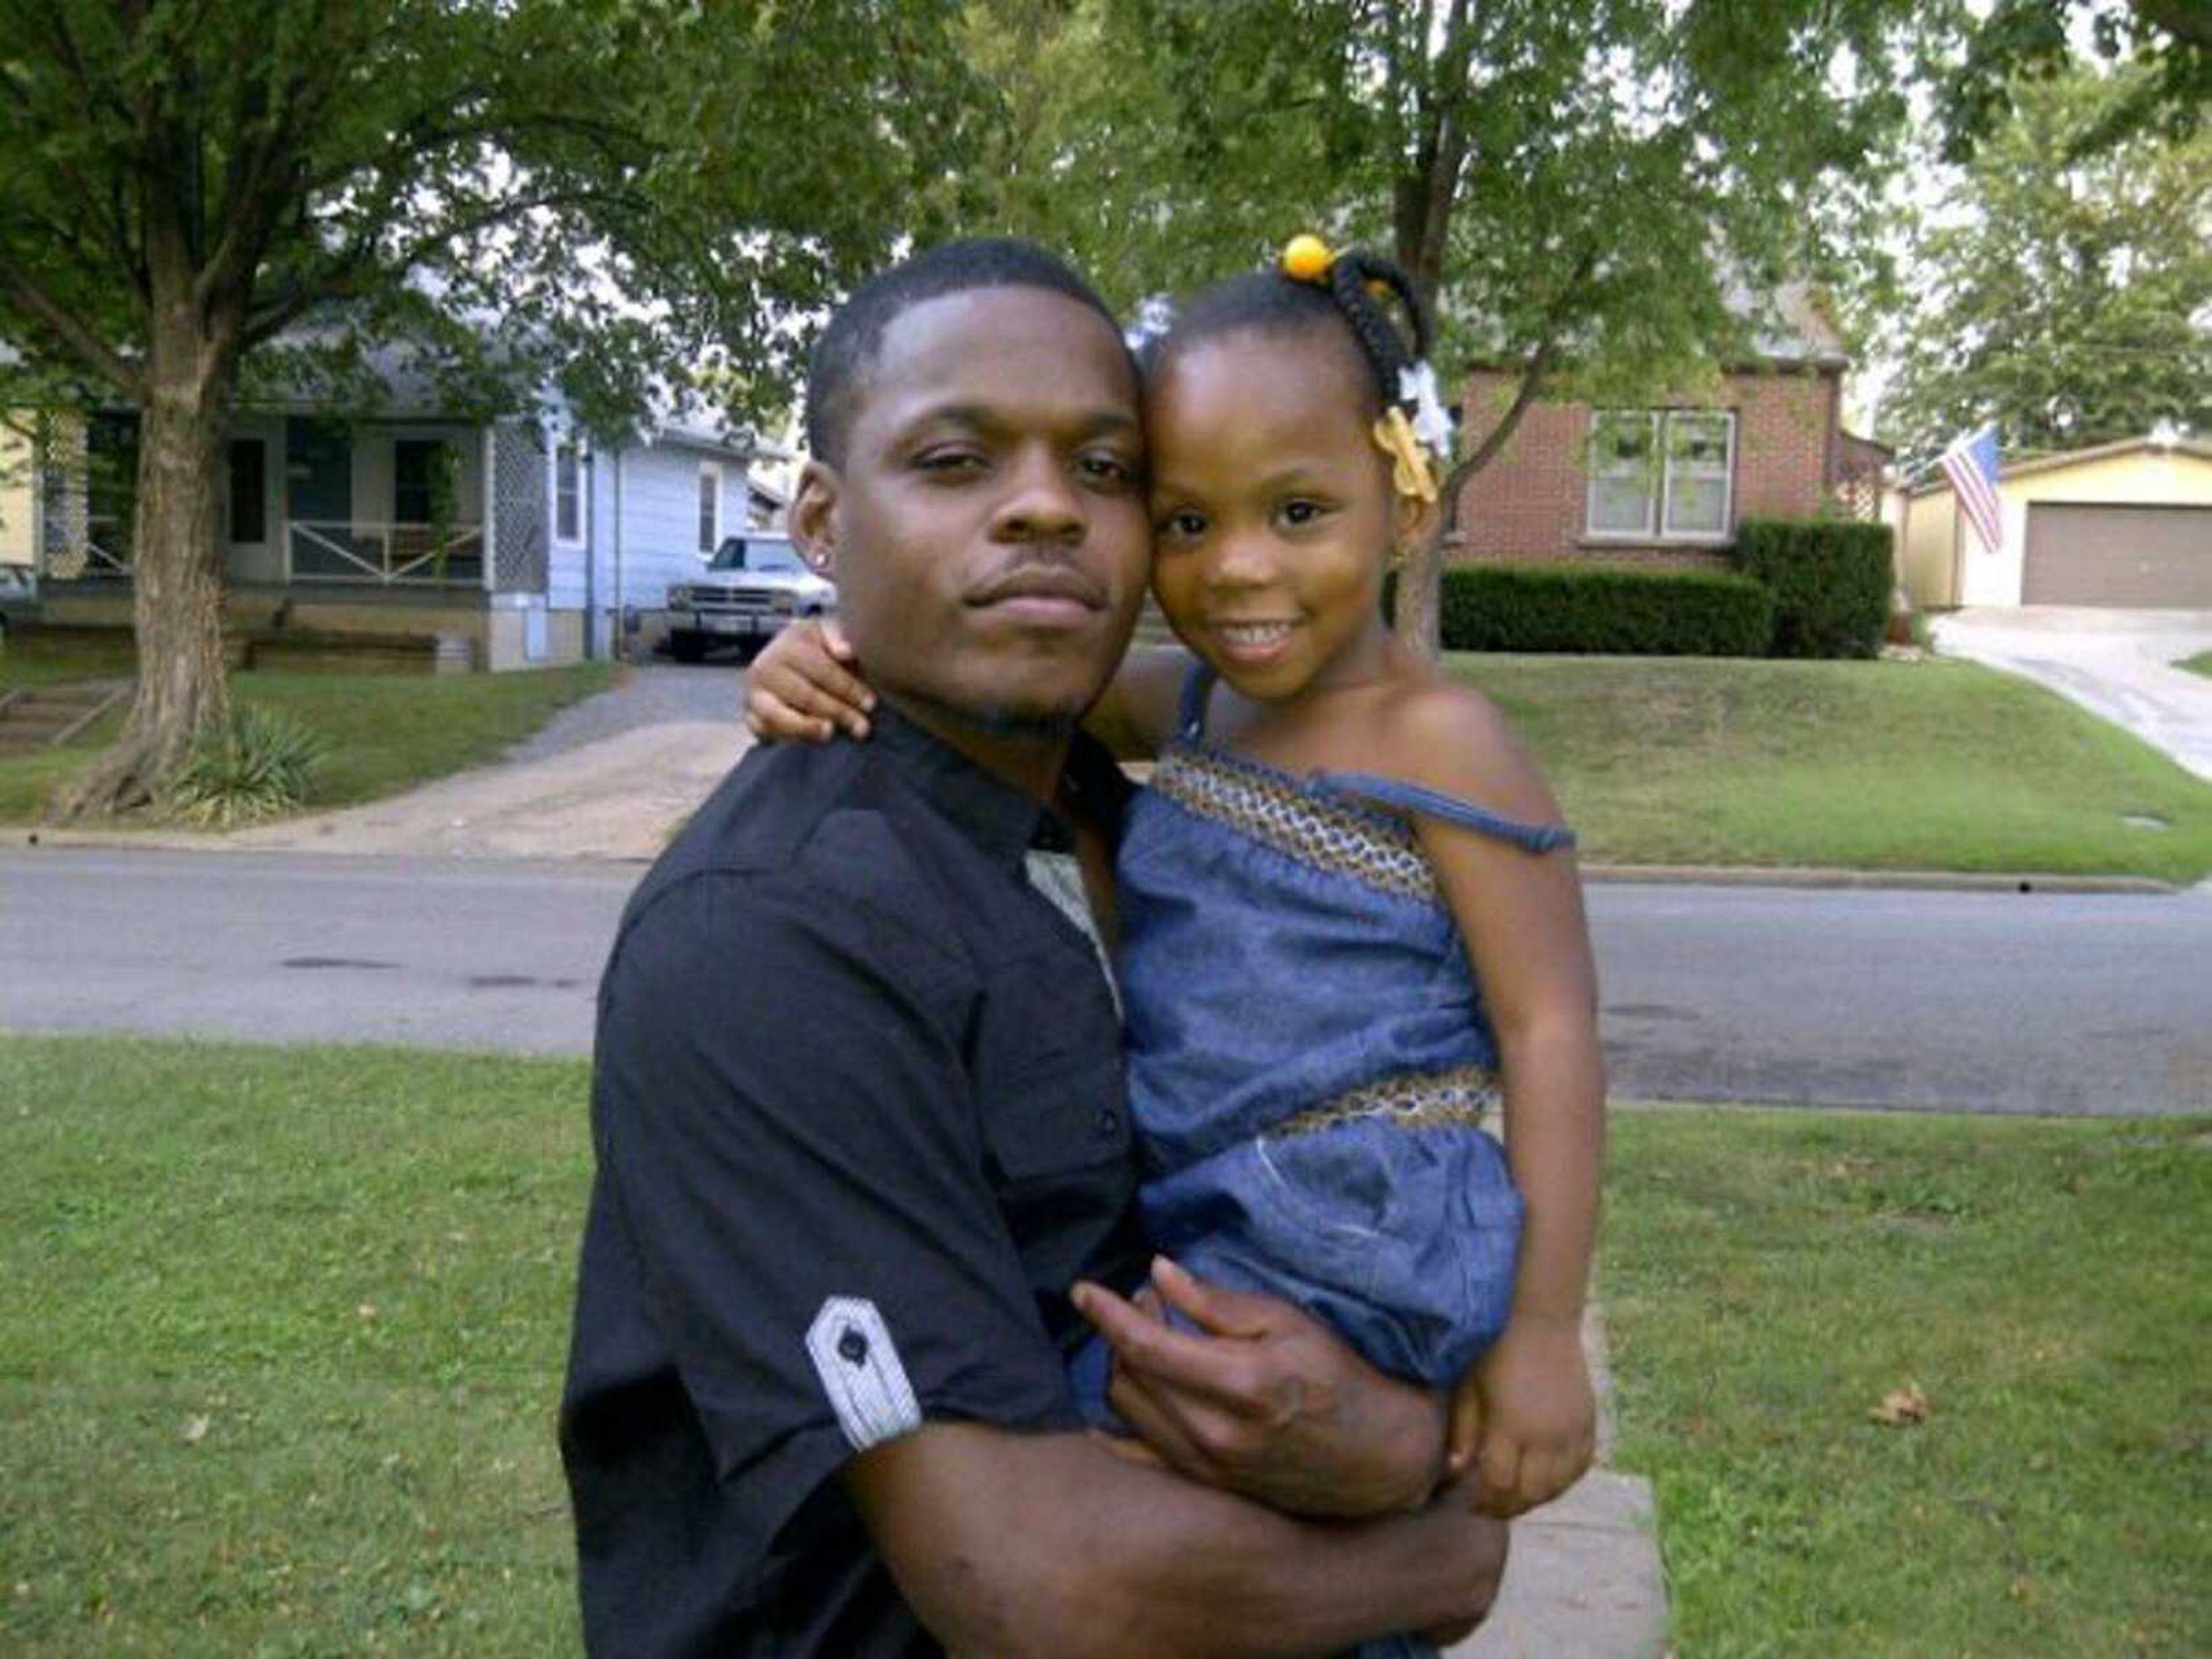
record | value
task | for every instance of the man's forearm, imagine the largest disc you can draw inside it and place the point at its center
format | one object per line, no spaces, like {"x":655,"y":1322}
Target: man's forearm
{"x":1008,"y":1544}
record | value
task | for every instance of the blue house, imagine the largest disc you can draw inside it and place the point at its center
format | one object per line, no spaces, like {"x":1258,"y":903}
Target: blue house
{"x":490,"y":544}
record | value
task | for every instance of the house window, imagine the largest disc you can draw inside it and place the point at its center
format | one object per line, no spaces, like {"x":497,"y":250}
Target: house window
{"x":1663,"y":474}
{"x":568,"y":492}
{"x":415,"y":466}
{"x":249,"y":491}
{"x":710,"y":509}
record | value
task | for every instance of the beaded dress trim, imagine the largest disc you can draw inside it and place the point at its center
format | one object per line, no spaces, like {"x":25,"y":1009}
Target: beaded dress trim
{"x":1277,"y":809}
{"x":1419,"y":1100}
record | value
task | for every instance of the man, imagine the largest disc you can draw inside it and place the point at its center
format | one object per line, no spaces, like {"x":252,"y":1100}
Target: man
{"x":857,"y":1102}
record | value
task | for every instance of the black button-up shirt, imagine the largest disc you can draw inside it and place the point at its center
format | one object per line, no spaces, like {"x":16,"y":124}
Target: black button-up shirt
{"x":856,"y":1105}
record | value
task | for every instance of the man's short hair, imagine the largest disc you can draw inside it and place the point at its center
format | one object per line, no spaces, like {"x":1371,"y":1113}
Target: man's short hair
{"x":848,"y":347}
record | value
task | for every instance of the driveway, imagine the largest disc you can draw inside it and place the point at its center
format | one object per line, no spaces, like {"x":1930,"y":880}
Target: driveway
{"x":611,"y":777}
{"x":2115,"y":664}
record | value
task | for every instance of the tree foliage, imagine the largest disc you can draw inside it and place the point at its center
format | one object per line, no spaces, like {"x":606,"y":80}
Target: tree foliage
{"x":1989,"y":57}
{"x":1591,"y":193}
{"x":2065,"y":292}
{"x":198,"y":196}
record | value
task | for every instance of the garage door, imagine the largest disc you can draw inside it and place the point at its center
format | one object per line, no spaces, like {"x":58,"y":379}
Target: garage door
{"x":2119,"y":555}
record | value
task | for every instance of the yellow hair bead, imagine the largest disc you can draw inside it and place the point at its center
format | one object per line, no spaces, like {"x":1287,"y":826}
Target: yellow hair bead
{"x":1307,"y":259}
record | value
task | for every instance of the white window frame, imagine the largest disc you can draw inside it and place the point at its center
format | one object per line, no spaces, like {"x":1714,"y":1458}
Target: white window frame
{"x":709,"y":470}
{"x":572,"y":451}
{"x":1659,"y":484}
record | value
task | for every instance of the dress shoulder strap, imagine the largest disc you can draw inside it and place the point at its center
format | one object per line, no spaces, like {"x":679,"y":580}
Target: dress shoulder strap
{"x":1190,"y":713}
{"x":1412,"y":798}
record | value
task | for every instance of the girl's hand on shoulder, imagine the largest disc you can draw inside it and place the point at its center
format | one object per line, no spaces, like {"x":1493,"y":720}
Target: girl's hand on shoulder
{"x":1526,"y":1416}
{"x":802,"y":686}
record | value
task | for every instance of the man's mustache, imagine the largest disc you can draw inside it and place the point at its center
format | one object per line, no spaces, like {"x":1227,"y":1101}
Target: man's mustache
{"x":1031,"y":577}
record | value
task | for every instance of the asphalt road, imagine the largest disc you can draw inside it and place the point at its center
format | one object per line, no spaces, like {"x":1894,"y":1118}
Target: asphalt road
{"x":2074,"y":1004}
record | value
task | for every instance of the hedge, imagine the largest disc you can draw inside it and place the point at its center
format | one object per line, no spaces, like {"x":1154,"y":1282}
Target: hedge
{"x":1604,"y":611}
{"x":1831,"y":579}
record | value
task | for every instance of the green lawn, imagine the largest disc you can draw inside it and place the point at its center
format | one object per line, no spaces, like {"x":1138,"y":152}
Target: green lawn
{"x":387,"y":732}
{"x":285,"y":1331}
{"x":2199,"y":664}
{"x":1769,"y":1278}
{"x":284,"y":1335}
{"x":1932,"y":765}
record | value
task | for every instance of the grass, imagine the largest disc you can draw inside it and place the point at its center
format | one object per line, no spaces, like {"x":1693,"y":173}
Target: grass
{"x":1769,"y":1278}
{"x":386,"y":733}
{"x":1931,"y":765}
{"x":2199,"y":664}
{"x":284,"y":1333}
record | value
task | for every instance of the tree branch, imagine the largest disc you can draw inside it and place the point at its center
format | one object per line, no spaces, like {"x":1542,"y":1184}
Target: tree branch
{"x":94,"y":353}
{"x":1535,"y":370}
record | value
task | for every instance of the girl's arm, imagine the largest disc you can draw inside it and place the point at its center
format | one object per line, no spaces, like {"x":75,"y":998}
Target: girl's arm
{"x":808,"y":684}
{"x":1134,"y":716}
{"x":1521,"y":916}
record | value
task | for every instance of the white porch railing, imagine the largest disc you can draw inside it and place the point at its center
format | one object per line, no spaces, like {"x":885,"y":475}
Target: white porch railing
{"x":106,"y":551}
{"x":386,"y":555}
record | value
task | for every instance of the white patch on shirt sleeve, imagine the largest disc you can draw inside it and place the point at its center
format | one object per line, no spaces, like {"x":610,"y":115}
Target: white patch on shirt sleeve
{"x":861,"y":1372}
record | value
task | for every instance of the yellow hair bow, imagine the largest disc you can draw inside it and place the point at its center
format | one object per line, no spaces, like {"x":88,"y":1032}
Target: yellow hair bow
{"x":1409,"y":472}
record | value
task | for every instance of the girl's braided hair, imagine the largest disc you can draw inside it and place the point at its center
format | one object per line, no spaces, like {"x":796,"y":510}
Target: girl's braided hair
{"x":1353,"y":277}
{"x":1275,"y":300}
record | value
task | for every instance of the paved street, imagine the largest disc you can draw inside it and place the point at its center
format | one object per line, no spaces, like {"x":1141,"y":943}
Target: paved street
{"x":1963,"y":1001}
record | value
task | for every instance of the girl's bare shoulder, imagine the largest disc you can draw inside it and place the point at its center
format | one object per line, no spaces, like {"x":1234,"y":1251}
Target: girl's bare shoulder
{"x":1444,"y":735}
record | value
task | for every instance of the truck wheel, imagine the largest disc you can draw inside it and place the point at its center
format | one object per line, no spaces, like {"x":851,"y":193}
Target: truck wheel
{"x":685,"y":646}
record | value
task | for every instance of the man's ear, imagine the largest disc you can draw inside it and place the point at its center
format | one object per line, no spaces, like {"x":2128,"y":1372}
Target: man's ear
{"x":816,"y":515}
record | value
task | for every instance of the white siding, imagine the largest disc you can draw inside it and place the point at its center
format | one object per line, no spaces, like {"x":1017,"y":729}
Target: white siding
{"x":18,"y":498}
{"x":661,"y":516}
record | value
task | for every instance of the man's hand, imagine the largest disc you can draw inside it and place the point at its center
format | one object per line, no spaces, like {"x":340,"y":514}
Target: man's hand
{"x":1263,"y":1401}
{"x":1526,"y":1416}
{"x":801,"y":686}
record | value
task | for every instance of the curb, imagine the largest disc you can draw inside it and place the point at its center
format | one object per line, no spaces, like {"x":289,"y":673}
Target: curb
{"x":1958,"y":881}
{"x":1624,"y":875}
{"x":1583,"y":1576}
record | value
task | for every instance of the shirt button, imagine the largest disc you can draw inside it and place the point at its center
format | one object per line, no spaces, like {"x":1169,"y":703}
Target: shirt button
{"x":853,"y":1347}
{"x":1109,"y":1121}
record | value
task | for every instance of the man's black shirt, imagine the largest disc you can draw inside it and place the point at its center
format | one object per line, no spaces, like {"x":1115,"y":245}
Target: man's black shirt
{"x":858,"y":1109}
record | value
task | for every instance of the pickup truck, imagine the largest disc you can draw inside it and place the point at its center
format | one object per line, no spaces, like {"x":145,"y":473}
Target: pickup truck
{"x":754,"y":586}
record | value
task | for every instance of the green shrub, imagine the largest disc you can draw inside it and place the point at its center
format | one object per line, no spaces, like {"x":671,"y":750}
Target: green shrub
{"x":1600,"y":610}
{"x":1831,"y":579}
{"x":260,"y":763}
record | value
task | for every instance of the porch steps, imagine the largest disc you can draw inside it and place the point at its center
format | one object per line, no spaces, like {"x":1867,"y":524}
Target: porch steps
{"x":34,"y":717}
{"x":279,"y":645}
{"x":359,"y":653}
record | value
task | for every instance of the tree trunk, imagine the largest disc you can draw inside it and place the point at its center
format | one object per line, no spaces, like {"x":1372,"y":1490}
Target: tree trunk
{"x":177,"y":580}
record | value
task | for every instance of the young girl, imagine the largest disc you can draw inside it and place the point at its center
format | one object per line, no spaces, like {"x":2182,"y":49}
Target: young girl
{"x":1350,"y":924}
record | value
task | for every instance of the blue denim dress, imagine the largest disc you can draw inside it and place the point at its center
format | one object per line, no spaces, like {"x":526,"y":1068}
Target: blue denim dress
{"x":1310,"y":1061}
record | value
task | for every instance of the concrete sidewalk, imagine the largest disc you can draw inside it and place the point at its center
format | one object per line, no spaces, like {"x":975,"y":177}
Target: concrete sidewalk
{"x":1584,"y":1577}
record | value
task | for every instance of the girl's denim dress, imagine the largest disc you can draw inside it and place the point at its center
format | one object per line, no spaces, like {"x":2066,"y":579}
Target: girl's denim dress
{"x":1310,"y":1060}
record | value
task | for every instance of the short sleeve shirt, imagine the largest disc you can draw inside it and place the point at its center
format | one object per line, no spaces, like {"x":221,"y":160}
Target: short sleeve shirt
{"x":857,"y":1115}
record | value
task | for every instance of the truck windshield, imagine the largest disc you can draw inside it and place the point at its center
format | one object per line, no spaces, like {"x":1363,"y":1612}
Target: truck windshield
{"x":739,"y":553}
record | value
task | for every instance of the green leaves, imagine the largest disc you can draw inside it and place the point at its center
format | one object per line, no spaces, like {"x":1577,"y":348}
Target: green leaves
{"x":519,"y":184}
{"x":2064,"y":287}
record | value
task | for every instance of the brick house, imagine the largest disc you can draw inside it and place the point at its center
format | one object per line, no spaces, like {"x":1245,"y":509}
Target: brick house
{"x":1666,"y":485}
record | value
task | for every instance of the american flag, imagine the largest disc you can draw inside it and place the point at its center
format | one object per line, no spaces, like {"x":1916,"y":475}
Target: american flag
{"x":1971,"y":464}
